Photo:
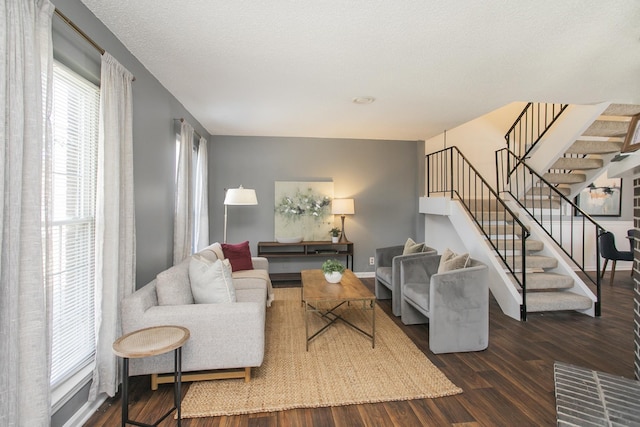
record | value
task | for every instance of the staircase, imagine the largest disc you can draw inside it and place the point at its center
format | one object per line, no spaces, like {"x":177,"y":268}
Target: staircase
{"x":526,"y":273}
{"x":526,"y":226}
{"x":591,"y":154}
{"x":550,"y":286}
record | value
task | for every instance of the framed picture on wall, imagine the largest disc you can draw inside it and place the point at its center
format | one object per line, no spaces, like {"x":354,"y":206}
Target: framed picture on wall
{"x":602,"y":197}
{"x":632,"y":140}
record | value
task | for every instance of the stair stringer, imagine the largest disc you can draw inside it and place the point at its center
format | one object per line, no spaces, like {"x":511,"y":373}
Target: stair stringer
{"x":507,"y":296}
{"x":564,"y":132}
{"x":550,"y":249}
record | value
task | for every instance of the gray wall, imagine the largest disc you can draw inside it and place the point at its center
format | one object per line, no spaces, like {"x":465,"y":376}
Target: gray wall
{"x":383,"y":177}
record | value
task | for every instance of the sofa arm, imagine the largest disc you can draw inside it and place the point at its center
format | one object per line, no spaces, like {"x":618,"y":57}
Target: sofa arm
{"x":384,"y":256}
{"x":459,"y":316}
{"x":135,"y":305}
{"x":396,"y":290}
{"x":260,"y":263}
{"x":418,"y":269}
{"x":222,"y":336}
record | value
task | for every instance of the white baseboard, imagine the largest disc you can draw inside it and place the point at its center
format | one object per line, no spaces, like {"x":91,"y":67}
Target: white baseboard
{"x":83,"y":414}
{"x":365,"y":274}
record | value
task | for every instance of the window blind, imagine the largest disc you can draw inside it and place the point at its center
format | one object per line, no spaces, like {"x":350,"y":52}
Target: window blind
{"x":71,"y":270}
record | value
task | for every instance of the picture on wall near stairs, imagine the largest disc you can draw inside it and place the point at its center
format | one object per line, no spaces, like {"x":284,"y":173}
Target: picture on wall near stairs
{"x":632,"y":140}
{"x":602,"y":197}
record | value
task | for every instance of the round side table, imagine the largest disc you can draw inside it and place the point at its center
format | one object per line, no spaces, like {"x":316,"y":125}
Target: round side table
{"x":151,"y":342}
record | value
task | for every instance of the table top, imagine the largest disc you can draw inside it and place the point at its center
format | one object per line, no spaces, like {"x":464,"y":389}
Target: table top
{"x":150,"y":341}
{"x":316,"y":288}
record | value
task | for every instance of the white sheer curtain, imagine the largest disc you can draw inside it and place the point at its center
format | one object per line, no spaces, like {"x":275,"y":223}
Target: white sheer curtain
{"x":183,"y":216}
{"x":201,"y":200}
{"x":25,"y":299}
{"x":115,"y":221}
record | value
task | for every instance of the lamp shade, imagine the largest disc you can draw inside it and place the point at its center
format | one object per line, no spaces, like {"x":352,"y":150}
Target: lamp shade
{"x":240,"y":196}
{"x":342,"y":207}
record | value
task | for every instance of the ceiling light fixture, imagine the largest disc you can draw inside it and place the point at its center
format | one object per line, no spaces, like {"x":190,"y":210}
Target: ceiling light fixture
{"x":363,"y":100}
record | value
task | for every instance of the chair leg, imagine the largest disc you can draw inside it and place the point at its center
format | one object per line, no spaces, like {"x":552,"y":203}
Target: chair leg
{"x":604,"y":268}
{"x":613,"y":271}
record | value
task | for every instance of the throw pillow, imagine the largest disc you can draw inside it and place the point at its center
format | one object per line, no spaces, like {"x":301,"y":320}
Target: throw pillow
{"x":411,"y":247}
{"x":211,"y":281}
{"x":212,"y":252}
{"x":239,"y":255}
{"x":451,"y":261}
{"x":172,"y":285}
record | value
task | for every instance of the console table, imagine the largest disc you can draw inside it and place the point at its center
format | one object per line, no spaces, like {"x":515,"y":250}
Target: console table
{"x":322,"y":249}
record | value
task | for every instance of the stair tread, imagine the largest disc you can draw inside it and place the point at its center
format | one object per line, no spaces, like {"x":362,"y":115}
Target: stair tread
{"x":545,"y":191}
{"x":506,"y":229}
{"x":575,"y":163}
{"x":622,"y":110}
{"x":534,"y":261}
{"x":493,"y":215}
{"x":565,"y":178}
{"x":556,"y":301}
{"x":594,"y":147}
{"x":548,"y":281}
{"x":537,"y":203}
{"x":531,"y":245}
{"x":607,"y":128}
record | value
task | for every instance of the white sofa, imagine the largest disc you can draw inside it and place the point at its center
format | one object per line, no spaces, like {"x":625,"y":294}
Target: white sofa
{"x":224,"y":336}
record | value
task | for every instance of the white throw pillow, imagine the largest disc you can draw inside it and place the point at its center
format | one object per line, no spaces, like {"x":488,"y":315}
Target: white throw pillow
{"x":211,"y":282}
{"x":452,"y":261}
{"x":172,"y":285}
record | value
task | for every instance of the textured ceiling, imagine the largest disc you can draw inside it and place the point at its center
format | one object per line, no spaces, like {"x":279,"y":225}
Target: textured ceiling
{"x":292,"y":67}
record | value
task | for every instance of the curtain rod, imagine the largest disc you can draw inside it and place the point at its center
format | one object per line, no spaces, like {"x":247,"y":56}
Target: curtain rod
{"x":77,"y":29}
{"x":81,"y":33}
{"x":194,"y":131}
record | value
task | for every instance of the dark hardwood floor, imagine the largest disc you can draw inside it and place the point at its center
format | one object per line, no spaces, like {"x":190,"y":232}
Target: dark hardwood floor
{"x":509,"y":384}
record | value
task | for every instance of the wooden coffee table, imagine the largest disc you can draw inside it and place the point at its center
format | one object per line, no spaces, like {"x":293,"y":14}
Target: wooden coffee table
{"x":324,"y":298}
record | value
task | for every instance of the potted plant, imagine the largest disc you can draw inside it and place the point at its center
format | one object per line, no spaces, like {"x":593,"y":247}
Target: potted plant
{"x":333,"y":269}
{"x":335,"y":234}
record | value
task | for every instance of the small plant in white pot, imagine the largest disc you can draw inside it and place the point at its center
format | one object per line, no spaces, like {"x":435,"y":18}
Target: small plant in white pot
{"x":333,"y":269}
{"x":335,"y":234}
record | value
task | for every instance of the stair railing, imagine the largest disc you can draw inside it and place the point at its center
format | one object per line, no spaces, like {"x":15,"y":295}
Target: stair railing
{"x":530,"y":126}
{"x":449,"y":173}
{"x":551,"y":209}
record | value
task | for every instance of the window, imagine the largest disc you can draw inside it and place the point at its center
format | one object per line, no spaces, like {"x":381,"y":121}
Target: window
{"x":73,"y":196}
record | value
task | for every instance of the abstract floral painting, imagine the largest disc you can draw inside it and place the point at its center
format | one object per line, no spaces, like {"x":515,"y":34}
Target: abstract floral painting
{"x":303,"y":209}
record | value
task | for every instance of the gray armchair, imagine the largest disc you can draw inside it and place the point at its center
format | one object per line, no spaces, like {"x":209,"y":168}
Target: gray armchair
{"x":454,"y":303}
{"x":387,"y":266}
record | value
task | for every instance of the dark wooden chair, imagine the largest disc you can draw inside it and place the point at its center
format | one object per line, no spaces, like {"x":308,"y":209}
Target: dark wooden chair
{"x":608,"y":251}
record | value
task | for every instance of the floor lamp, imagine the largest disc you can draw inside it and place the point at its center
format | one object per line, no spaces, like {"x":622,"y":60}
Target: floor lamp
{"x":342,"y":207}
{"x":237,"y":197}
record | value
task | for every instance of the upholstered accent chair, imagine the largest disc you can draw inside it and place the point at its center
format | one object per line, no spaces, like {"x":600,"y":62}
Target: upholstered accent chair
{"x":455,"y":303}
{"x":387,"y":267}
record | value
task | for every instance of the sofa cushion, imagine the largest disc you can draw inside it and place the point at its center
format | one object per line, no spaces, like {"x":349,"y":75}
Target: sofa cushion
{"x":211,"y":281}
{"x":384,"y":274}
{"x":239,"y":255}
{"x":411,"y":247}
{"x":212,"y":252}
{"x":451,"y":261}
{"x":173,"y":286}
{"x":418,"y":293}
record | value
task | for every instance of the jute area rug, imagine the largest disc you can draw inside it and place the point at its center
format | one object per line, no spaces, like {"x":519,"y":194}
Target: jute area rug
{"x":340,"y":367}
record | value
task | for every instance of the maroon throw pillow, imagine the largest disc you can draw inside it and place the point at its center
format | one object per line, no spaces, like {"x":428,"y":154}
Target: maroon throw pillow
{"x":239,"y":255}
